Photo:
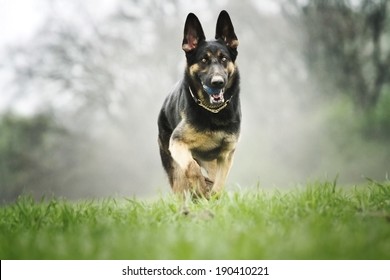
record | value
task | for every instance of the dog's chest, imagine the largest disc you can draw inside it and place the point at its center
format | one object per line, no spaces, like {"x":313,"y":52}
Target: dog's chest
{"x":205,"y":145}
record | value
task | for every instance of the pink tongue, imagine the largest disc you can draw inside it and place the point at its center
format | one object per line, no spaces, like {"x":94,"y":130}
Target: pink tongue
{"x":216,"y":96}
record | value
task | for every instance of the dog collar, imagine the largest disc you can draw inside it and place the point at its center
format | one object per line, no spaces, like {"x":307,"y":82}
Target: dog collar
{"x":212,"y":110}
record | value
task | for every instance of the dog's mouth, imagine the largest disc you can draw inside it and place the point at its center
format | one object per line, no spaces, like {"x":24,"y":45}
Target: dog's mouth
{"x":216,"y":94}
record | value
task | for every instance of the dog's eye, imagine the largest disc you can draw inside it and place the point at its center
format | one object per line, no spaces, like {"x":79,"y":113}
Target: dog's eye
{"x":224,"y":59}
{"x":204,"y":60}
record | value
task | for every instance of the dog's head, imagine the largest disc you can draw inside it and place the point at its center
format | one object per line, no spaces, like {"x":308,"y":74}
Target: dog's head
{"x":211,"y":64}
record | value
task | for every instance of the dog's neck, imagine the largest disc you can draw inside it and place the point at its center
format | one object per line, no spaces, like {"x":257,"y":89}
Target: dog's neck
{"x":212,"y":110}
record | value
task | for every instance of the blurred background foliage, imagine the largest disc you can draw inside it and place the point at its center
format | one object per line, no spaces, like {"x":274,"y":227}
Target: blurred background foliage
{"x":315,"y":94}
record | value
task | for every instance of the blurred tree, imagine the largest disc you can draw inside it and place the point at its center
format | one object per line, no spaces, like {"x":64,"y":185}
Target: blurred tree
{"x":23,"y":144}
{"x":348,"y":44}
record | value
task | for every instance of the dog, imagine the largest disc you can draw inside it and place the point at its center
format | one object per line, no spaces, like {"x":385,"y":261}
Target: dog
{"x":199,"y":122}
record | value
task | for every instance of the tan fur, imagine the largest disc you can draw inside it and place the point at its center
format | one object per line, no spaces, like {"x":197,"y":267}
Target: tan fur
{"x":194,"y":69}
{"x":184,"y":144}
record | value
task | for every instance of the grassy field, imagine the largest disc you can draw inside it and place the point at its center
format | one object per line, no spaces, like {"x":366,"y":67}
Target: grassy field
{"x":317,"y":221}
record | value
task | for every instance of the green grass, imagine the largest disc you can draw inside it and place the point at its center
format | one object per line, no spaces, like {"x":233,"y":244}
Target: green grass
{"x":317,"y":221}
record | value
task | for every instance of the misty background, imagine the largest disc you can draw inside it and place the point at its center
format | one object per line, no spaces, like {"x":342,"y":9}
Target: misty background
{"x":82,"y":83}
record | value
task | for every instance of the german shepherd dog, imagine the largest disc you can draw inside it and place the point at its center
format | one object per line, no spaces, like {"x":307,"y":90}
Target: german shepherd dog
{"x":199,"y":123}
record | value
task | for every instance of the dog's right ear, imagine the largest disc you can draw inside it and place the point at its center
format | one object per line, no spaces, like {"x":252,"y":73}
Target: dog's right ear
{"x":193,"y":33}
{"x":225,"y":30}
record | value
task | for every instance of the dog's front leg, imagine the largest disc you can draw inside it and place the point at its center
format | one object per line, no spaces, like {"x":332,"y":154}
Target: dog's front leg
{"x":195,"y":181}
{"x":224,"y":163}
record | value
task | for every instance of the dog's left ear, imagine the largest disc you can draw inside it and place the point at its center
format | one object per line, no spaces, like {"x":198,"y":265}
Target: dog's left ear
{"x":193,"y":33}
{"x":225,"y":30}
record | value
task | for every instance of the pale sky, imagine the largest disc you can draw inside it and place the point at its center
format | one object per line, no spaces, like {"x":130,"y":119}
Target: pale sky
{"x":19,"y":19}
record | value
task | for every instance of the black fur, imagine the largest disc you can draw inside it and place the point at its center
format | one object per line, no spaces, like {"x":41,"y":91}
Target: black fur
{"x":212,"y":77}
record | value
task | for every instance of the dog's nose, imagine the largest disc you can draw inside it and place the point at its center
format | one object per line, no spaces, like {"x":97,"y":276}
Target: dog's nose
{"x":217,"y":81}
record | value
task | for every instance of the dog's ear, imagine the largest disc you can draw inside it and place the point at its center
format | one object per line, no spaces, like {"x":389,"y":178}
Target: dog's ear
{"x":225,"y":30}
{"x":193,"y":33}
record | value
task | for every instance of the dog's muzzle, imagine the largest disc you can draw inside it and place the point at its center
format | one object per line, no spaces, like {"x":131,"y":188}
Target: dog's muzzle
{"x":215,"y":94}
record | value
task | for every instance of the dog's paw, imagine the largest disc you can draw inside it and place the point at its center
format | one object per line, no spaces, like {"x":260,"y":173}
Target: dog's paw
{"x":209,"y":184}
{"x":198,"y":184}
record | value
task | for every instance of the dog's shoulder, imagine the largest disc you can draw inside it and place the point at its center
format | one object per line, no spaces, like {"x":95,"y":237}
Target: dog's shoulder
{"x":174,"y":105}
